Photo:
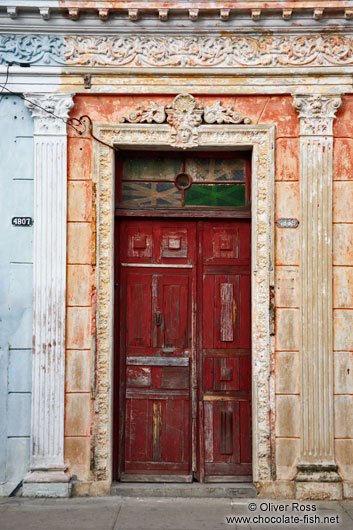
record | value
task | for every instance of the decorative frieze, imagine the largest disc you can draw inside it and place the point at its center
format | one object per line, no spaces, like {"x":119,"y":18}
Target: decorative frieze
{"x":47,"y":469}
{"x":32,"y":49}
{"x":225,"y":51}
{"x":317,"y":462}
{"x":235,"y":51}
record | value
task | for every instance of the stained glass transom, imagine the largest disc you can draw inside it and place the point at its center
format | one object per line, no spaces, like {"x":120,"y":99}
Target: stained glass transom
{"x":147,"y":181}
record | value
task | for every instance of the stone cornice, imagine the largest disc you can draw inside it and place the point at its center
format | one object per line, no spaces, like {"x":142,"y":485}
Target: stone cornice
{"x":255,"y":9}
{"x":237,"y":51}
{"x":102,"y":17}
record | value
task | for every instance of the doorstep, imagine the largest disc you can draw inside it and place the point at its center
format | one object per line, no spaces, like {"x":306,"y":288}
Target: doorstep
{"x":195,"y":490}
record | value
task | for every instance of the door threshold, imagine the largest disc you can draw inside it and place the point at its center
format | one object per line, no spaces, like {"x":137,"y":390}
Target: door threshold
{"x":228,"y":478}
{"x":130,"y":477}
{"x":187,"y":490}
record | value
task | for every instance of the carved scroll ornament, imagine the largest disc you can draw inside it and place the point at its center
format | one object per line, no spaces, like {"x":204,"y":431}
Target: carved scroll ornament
{"x":184,"y":116}
{"x":186,"y":51}
{"x":222,"y":51}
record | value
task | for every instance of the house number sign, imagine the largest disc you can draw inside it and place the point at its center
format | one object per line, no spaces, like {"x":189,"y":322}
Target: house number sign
{"x":22,"y":221}
{"x":287,"y":223}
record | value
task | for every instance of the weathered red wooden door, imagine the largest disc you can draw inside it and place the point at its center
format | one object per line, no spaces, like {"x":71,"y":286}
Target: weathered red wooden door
{"x":225,"y":351}
{"x":184,"y":350}
{"x":157,"y":273}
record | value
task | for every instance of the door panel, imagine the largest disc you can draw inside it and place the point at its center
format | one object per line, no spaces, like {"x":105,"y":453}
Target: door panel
{"x":158,"y":329}
{"x":173,"y":295}
{"x":138,"y":322}
{"x":156,"y":242}
{"x":185,"y":370}
{"x":225,"y":388}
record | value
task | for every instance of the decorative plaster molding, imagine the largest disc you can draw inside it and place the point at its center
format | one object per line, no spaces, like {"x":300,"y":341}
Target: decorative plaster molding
{"x":185,"y":115}
{"x":261,"y":138}
{"x":193,"y":51}
{"x":185,"y":51}
{"x":50,"y":112}
{"x":316,"y":113}
{"x":32,"y":49}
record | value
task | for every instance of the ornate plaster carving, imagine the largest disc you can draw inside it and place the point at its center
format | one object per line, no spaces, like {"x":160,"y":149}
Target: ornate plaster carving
{"x":152,"y":114}
{"x":316,"y":113}
{"x":261,"y":137}
{"x":218,"y":114}
{"x":50,"y":112}
{"x":32,"y":49}
{"x":191,"y":51}
{"x":185,"y":51}
{"x":185,"y":115}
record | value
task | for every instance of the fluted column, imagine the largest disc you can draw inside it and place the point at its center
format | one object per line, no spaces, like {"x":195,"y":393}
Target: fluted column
{"x":47,"y":469}
{"x":317,"y":472}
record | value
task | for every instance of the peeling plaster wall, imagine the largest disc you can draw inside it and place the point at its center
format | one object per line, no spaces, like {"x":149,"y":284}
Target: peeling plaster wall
{"x":343,"y":288}
{"x":16,"y":192}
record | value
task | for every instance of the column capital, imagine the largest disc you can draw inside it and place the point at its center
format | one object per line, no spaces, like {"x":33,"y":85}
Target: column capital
{"x":50,"y":112}
{"x":316,"y":113}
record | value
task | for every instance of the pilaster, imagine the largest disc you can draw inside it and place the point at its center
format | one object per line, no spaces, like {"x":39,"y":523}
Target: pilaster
{"x":317,"y":475}
{"x":47,"y":476}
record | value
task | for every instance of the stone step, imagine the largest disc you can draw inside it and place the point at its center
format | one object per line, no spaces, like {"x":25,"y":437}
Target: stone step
{"x":195,"y":490}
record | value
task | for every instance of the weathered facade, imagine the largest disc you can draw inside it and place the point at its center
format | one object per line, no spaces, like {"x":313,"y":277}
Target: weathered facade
{"x":267,"y":84}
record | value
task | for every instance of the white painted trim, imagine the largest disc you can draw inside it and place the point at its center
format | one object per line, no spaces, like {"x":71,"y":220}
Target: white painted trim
{"x":49,"y":297}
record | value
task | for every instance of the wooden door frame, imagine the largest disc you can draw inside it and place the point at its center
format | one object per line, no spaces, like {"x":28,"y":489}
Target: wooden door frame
{"x":259,"y":138}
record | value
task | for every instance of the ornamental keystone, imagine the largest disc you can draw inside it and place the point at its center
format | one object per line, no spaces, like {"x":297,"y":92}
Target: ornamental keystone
{"x":185,"y":115}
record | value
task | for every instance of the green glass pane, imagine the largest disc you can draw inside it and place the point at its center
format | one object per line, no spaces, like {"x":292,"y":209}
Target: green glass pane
{"x":150,"y":194}
{"x":161,"y":168}
{"x":215,"y":169}
{"x":215,"y":195}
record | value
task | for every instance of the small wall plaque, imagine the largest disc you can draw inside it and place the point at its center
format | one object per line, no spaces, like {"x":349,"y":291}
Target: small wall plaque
{"x":287,"y":223}
{"x":22,"y":221}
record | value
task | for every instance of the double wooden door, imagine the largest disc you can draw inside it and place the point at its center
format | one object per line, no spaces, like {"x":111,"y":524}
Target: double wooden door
{"x":184,"y":360}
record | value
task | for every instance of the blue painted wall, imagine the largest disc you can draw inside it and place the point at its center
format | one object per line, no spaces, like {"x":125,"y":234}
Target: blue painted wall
{"x":16,"y":269}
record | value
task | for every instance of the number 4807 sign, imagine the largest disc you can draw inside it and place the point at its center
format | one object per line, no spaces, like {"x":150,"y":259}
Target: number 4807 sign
{"x":22,"y":221}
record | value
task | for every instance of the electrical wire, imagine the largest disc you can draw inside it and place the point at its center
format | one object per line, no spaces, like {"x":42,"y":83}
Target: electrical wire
{"x":70,"y":122}
{"x":7,"y":77}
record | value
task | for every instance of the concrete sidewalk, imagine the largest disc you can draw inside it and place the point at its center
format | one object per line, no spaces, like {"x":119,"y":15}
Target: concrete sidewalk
{"x":127,"y":513}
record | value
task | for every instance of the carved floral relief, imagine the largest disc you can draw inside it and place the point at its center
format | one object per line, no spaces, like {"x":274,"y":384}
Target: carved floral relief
{"x":184,"y":51}
{"x":225,"y":51}
{"x":185,"y":115}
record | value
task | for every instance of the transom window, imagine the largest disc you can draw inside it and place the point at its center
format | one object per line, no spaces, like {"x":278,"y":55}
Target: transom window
{"x":162,"y":180}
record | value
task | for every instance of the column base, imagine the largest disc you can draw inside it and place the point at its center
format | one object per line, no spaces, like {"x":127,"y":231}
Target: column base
{"x":318,"y":482}
{"x":51,"y":483}
{"x":348,"y":490}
